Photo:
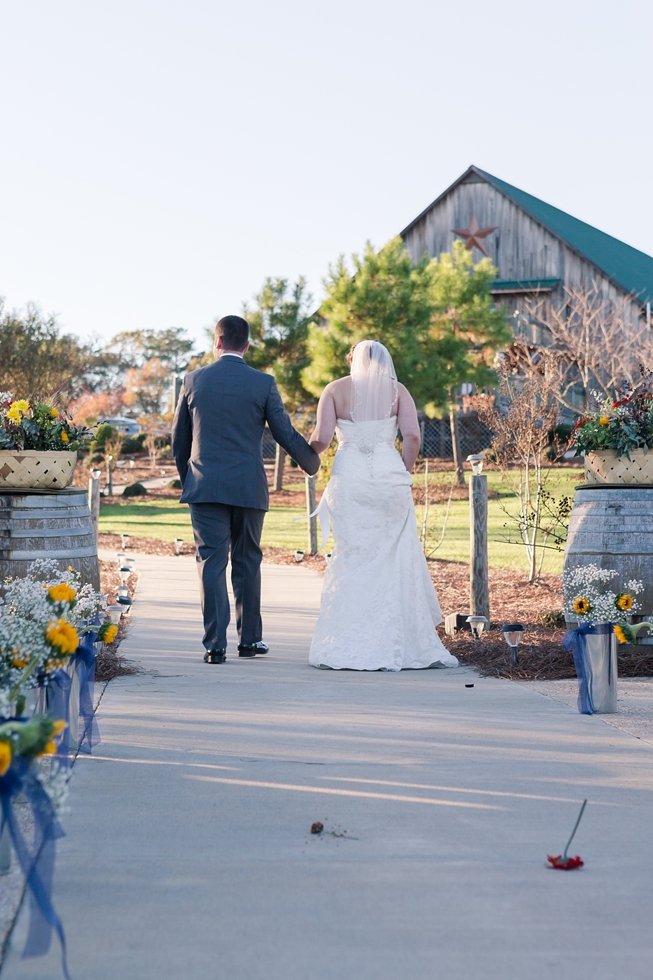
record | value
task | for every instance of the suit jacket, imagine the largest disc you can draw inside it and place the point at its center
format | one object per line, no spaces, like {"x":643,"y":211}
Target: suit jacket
{"x":218,"y":430}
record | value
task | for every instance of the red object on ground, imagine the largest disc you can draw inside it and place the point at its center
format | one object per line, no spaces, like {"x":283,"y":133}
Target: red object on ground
{"x":317,"y":827}
{"x":566,"y":864}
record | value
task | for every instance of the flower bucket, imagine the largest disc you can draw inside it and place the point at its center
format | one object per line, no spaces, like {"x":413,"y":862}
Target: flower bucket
{"x":35,"y":469}
{"x":595,"y":659}
{"x":606,"y":467}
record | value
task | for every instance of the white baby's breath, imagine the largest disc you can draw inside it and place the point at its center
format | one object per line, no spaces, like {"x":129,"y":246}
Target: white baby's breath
{"x":588,"y":582}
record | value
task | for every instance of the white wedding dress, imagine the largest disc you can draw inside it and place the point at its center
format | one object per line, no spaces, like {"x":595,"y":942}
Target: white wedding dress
{"x":379,"y":608}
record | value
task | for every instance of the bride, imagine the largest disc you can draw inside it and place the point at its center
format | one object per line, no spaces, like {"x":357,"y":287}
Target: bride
{"x":379,"y":608}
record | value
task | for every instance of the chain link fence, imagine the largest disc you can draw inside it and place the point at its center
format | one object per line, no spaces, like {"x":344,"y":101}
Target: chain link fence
{"x":474,"y":436}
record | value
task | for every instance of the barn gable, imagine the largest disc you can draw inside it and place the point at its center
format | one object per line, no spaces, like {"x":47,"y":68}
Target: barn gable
{"x":535,"y":246}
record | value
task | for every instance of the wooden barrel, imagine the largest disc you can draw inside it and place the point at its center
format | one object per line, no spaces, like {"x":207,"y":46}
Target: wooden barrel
{"x":612,"y":526}
{"x":47,"y":524}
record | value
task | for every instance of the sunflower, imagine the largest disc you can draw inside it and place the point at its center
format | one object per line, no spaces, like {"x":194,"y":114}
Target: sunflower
{"x":107,"y":632}
{"x":619,"y":633}
{"x":624,"y":601}
{"x":64,"y":437}
{"x":62,"y":636}
{"x":582,"y":606}
{"x":61,"y":593}
{"x":5,"y":756}
{"x":604,"y":420}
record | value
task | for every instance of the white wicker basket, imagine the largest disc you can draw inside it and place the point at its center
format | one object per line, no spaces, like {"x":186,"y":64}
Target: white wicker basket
{"x":607,"y":467}
{"x":35,"y":469}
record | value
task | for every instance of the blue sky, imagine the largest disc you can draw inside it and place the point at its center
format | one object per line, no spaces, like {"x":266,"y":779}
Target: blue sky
{"x":161,"y":158}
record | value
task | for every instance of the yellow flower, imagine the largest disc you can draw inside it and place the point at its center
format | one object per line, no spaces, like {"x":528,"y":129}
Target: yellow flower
{"x":50,"y":748}
{"x":582,"y":605}
{"x":64,"y":437}
{"x":625,"y":602}
{"x":19,"y":662}
{"x":17,"y":410}
{"x":604,"y":420}
{"x":54,"y":412}
{"x":62,"y":636}
{"x":61,"y":593}
{"x":108,"y":633}
{"x":58,"y":726}
{"x":5,"y":757}
{"x":619,"y":633}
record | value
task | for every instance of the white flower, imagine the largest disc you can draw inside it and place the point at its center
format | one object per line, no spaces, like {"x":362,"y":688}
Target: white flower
{"x":587,"y":582}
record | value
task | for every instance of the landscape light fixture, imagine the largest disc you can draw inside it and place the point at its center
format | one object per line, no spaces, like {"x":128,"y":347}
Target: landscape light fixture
{"x":125,"y":604}
{"x":512,"y":635}
{"x":124,"y":572}
{"x":477,"y":624}
{"x":125,"y":540}
{"x":178,"y":545}
{"x":298,"y":555}
{"x":328,"y":555}
{"x":120,"y":558}
{"x":122,"y":590}
{"x":115,"y":612}
{"x":96,"y":473}
{"x":477,"y":463}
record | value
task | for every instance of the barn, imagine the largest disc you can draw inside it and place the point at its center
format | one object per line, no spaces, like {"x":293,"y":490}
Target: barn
{"x":539,"y":252}
{"x":537,"y":248}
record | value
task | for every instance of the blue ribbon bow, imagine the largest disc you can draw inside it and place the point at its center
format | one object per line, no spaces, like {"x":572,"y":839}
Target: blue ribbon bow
{"x":38,"y":866}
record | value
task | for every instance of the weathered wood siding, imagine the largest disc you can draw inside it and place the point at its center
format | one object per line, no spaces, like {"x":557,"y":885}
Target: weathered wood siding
{"x":521,"y":248}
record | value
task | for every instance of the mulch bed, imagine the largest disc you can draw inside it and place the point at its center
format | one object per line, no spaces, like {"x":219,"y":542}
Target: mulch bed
{"x":541,"y":656}
{"x":512,"y":599}
{"x":146,"y":546}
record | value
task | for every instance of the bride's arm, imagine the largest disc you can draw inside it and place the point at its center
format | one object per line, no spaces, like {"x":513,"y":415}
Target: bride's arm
{"x":326,"y":422}
{"x":409,"y":428}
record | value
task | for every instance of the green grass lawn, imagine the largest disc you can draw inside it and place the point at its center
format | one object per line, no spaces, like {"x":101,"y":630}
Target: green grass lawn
{"x":501,"y":554}
{"x":166,"y":520}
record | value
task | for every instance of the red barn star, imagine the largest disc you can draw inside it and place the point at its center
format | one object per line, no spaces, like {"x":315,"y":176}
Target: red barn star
{"x":474,"y":235}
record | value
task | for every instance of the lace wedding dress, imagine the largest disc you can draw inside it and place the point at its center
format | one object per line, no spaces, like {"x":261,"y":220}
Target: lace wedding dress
{"x":379,"y":608}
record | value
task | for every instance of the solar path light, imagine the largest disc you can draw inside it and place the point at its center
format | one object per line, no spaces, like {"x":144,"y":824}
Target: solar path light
{"x":512,"y":635}
{"x":477,"y":624}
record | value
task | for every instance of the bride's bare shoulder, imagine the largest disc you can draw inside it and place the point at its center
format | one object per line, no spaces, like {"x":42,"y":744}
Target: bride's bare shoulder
{"x":334,"y":387}
{"x":404,"y":392}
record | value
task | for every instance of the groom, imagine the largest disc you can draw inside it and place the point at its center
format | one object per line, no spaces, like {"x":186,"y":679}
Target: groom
{"x":216,"y":442}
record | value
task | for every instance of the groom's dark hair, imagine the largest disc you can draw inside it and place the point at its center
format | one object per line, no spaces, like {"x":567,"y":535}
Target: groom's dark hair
{"x":234,"y":332}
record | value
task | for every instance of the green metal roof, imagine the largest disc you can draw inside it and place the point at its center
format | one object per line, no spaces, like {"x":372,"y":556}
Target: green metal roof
{"x":523,"y":285}
{"x":627,"y":266}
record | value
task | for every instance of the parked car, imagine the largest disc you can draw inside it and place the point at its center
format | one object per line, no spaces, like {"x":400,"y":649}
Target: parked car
{"x":126,"y":427}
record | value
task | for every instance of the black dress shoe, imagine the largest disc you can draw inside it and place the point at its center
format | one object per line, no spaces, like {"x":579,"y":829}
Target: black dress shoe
{"x":215,"y":656}
{"x":251,"y":649}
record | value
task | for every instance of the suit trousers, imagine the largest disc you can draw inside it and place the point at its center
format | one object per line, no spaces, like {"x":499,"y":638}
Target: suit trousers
{"x":219,"y":529}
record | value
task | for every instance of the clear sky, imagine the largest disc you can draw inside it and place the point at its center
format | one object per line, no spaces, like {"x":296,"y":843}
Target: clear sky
{"x":161,"y":157}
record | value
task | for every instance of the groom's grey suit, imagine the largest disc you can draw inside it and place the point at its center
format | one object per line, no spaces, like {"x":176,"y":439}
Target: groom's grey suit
{"x":216,"y":441}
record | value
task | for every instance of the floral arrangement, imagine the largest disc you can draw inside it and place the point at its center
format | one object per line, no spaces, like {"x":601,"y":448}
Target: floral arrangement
{"x":622,"y":425}
{"x":42,"y":618}
{"x":27,"y":425}
{"x":587,"y":600}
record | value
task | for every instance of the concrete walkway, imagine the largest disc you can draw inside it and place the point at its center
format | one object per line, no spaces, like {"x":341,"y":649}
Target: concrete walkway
{"x":189,"y":855}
